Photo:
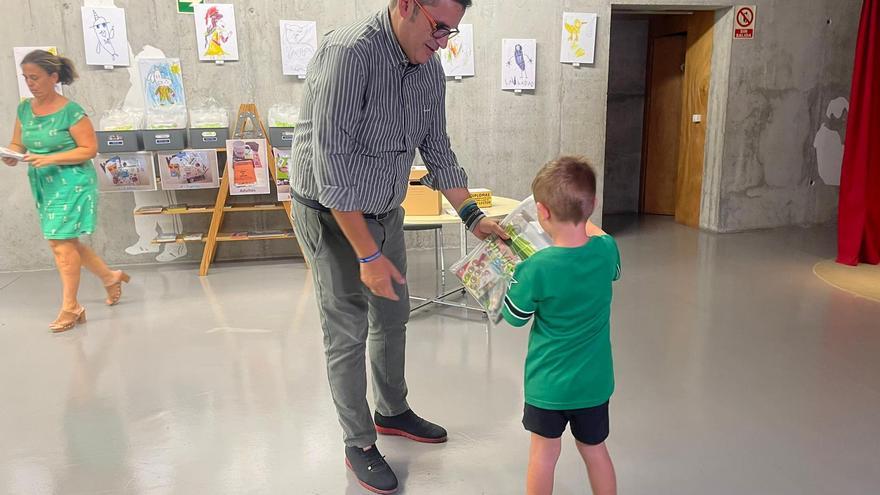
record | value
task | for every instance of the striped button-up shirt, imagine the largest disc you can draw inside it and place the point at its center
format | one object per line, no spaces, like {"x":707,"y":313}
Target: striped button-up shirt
{"x":365,"y":110}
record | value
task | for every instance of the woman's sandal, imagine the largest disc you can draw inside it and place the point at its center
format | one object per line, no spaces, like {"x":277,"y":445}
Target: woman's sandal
{"x":114,"y":290}
{"x":67,"y":320}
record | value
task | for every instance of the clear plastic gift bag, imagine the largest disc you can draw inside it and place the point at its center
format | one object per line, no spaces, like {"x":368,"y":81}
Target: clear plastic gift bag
{"x":283,"y":115}
{"x":209,"y":113}
{"x":487,"y":270}
{"x":166,"y":119}
{"x":122,"y":119}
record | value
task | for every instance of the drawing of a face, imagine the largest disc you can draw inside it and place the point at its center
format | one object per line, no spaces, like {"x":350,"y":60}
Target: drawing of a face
{"x":104,"y":31}
{"x":294,"y":33}
{"x":103,"y":28}
{"x":110,"y":167}
{"x":214,"y":19}
{"x":158,"y":79}
{"x":174,"y":166}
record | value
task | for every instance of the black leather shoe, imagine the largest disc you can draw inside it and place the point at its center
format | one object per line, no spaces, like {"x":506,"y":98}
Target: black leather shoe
{"x":410,"y":426}
{"x":371,"y":470}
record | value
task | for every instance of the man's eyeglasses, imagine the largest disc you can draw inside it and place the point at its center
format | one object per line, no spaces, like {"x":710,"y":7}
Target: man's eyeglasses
{"x":440,"y":30}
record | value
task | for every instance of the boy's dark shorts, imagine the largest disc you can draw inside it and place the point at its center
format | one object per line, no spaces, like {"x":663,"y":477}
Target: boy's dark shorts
{"x":589,"y":425}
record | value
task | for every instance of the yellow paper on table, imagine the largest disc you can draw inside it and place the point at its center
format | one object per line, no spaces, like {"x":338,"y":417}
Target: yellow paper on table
{"x":482,"y":196}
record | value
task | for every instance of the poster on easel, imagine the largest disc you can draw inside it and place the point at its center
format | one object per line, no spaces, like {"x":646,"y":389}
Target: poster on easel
{"x":105,"y":36}
{"x":248,"y":166}
{"x":18,"y":54}
{"x":188,"y":169}
{"x":121,"y":172}
{"x":299,"y":42}
{"x":282,"y":173}
{"x":216,"y":35}
{"x":578,"y":38}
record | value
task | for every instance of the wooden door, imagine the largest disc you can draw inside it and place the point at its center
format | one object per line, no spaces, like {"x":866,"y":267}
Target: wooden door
{"x":663,"y":124}
{"x":698,"y":74}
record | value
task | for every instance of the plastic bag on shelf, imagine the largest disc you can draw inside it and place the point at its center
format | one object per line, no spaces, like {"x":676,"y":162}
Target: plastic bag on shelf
{"x":283,"y":115}
{"x":166,"y":119}
{"x":122,"y":119}
{"x":487,"y":270}
{"x":208,"y":114}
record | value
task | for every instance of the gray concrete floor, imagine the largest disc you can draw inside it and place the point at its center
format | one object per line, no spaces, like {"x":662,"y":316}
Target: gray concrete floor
{"x":738,"y":372}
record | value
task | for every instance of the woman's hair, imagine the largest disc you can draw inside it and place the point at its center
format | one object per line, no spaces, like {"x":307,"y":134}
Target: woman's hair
{"x":52,"y":64}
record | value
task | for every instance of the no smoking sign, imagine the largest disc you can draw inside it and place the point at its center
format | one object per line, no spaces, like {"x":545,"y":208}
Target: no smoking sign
{"x":744,"y":22}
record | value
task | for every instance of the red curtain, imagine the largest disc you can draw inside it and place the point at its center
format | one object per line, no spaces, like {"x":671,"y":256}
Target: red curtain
{"x":858,"y":231}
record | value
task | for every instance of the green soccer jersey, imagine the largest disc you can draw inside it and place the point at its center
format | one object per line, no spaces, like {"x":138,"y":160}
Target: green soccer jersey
{"x":568,"y":291}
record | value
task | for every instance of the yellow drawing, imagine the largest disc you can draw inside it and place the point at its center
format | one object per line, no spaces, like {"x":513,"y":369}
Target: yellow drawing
{"x":574,"y":30}
{"x":574,"y":37}
{"x":216,"y":33}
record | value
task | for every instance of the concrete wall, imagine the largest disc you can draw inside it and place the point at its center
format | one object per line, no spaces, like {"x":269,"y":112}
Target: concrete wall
{"x":626,"y":113}
{"x":785,"y":77}
{"x":780,"y":87}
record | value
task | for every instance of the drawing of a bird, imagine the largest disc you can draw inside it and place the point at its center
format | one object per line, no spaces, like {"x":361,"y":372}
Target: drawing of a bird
{"x":574,"y":30}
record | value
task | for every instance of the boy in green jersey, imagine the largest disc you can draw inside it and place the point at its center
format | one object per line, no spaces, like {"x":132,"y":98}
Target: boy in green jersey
{"x":569,"y":376}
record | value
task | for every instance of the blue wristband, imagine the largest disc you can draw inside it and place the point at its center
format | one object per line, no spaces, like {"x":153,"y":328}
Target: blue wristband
{"x":372,"y":257}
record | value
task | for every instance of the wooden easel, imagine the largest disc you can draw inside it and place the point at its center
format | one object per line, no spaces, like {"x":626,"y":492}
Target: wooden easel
{"x":247,"y":126}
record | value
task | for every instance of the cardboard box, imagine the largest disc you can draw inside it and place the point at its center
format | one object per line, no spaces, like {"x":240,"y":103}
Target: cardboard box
{"x":482,"y":196}
{"x":421,"y":200}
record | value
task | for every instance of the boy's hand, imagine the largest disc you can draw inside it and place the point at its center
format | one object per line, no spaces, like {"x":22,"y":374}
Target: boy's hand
{"x":487,"y":227}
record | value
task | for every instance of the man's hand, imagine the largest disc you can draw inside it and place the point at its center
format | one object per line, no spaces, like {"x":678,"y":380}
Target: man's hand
{"x":487,"y":227}
{"x":10,"y":161}
{"x":378,"y":276}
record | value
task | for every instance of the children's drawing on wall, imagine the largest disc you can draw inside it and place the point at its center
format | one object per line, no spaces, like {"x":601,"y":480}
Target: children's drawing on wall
{"x":282,"y":173}
{"x":148,"y":227}
{"x":215,"y":31}
{"x":119,"y":172}
{"x":18,"y":54}
{"x":105,"y":37}
{"x":299,"y":41}
{"x":458,"y":56}
{"x":249,"y":172}
{"x":578,"y":38}
{"x":188,"y":169}
{"x":162,"y":81}
{"x":518,"y":63}
{"x":829,"y":142}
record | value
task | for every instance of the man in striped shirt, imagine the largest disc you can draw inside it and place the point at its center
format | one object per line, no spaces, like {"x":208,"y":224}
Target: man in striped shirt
{"x":375,"y":92}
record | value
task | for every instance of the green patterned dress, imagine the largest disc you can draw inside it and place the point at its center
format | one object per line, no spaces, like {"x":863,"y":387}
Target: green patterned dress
{"x":66,"y":195}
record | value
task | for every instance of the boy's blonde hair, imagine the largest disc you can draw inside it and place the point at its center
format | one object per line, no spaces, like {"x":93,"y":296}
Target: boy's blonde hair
{"x":567,"y":187}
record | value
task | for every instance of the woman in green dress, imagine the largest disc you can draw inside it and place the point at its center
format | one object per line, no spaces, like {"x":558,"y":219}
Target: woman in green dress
{"x":59,"y":142}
